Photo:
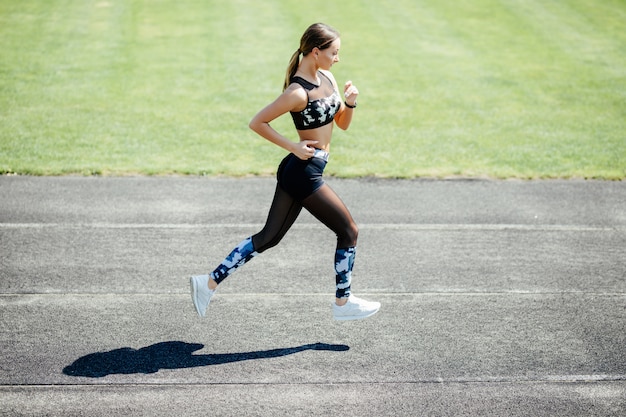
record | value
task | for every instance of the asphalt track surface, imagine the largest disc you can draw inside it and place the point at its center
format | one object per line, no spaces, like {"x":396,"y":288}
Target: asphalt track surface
{"x":499,"y":298}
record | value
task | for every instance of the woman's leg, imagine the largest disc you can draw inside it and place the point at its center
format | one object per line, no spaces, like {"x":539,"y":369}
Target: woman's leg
{"x":283,"y":213}
{"x":328,"y":208}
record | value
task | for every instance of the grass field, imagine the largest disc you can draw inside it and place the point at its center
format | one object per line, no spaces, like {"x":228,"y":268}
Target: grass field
{"x":496,"y":88}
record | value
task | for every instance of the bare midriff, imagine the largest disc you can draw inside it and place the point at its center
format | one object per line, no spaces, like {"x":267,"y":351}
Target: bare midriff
{"x":322,"y":135}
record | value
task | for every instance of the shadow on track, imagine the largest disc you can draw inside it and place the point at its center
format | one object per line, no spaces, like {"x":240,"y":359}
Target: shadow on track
{"x":171,"y":355}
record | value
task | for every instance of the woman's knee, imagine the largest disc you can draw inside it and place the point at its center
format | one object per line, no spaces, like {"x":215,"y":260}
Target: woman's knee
{"x":349,"y":236}
{"x":263,"y":242}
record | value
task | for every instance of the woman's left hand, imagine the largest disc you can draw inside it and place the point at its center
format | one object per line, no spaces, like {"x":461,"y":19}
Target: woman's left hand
{"x":350,"y":92}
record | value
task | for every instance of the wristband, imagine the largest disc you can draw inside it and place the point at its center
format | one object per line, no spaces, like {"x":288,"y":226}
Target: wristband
{"x":349,"y":106}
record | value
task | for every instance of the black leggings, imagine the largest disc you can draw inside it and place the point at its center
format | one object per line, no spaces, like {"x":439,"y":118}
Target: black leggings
{"x":300,"y":184}
{"x":324,"y":204}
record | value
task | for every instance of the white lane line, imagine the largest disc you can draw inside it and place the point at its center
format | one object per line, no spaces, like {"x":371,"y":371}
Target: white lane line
{"x":369,"y":226}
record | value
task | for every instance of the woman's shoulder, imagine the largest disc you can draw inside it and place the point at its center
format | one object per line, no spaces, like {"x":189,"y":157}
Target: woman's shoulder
{"x":295,"y":90}
{"x":295,"y":95}
{"x":330,"y":76}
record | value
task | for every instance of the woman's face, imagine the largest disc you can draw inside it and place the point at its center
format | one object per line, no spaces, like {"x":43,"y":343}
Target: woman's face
{"x":329,"y":56}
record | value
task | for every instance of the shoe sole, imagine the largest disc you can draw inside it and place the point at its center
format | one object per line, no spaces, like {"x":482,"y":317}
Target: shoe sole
{"x":346,"y":318}
{"x":194,"y":291}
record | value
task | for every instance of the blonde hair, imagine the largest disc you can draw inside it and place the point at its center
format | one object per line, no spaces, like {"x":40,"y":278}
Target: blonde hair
{"x":318,"y":35}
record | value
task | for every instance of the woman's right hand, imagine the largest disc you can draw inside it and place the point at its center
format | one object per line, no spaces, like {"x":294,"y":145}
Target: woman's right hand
{"x":304,"y":149}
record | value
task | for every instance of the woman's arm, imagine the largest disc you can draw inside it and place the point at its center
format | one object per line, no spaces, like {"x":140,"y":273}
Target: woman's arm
{"x":292,"y":98}
{"x":343,"y":118}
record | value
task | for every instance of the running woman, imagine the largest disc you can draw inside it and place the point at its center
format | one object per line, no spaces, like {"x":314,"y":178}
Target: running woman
{"x":311,"y":95}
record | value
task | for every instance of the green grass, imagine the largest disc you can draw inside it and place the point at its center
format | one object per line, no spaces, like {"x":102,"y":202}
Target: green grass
{"x":496,"y":88}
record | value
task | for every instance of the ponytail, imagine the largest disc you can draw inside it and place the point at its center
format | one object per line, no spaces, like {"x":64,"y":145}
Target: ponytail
{"x":292,"y":68}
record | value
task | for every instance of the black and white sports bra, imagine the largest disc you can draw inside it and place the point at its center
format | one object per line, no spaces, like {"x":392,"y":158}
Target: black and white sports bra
{"x":323,"y":103}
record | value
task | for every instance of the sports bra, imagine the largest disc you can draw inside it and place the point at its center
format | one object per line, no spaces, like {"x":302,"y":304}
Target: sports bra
{"x":323,"y":103}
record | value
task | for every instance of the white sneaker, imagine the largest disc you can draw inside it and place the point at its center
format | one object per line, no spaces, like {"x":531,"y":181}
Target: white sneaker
{"x":200,"y":293}
{"x":355,"y":309}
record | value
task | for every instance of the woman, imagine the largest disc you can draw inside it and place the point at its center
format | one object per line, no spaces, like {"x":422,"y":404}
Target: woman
{"x":311,"y":95}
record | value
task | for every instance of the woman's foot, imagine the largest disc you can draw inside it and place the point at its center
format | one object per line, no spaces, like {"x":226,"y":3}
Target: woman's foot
{"x":200,"y":293}
{"x":355,"y":308}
